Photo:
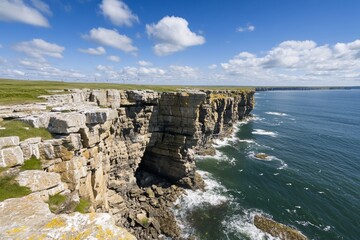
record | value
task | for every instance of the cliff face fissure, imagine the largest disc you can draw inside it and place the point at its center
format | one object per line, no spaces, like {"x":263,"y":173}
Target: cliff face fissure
{"x":109,"y":141}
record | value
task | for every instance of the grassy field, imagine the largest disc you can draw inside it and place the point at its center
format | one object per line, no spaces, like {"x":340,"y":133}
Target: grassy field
{"x":23,"y":130}
{"x":25,"y":91}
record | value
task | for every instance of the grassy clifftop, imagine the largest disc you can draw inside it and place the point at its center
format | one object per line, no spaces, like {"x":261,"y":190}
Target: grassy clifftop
{"x":25,"y":91}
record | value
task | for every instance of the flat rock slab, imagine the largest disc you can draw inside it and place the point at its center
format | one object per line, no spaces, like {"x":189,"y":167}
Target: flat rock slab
{"x":11,"y":156}
{"x":30,"y":218}
{"x":38,"y":180}
{"x":9,"y":142}
{"x":65,"y":123}
{"x":278,"y":230}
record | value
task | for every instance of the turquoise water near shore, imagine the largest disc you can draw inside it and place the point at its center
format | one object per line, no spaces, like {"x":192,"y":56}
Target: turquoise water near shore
{"x":311,"y":180}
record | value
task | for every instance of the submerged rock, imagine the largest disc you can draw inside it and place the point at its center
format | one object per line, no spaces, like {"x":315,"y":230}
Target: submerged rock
{"x":276,"y":229}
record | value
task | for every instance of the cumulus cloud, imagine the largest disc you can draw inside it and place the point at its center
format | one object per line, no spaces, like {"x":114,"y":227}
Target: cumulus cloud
{"x":111,"y":38}
{"x":38,"y":48}
{"x":184,"y":71}
{"x":118,"y":12}
{"x":41,"y":6}
{"x":18,"y":11}
{"x":247,"y":28}
{"x":212,"y":66}
{"x":144,"y":63}
{"x":299,"y":60}
{"x":93,"y":51}
{"x":173,"y":35}
{"x":114,"y":58}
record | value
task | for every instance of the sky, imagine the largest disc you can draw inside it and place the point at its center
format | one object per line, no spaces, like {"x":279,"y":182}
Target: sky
{"x":182,"y":42}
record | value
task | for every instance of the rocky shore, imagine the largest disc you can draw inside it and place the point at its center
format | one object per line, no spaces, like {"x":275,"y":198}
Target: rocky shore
{"x":129,"y":154}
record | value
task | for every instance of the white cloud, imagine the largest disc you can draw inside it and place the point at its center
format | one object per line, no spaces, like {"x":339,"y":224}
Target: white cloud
{"x":299,"y":61}
{"x":144,"y":63}
{"x":18,"y":11}
{"x":39,"y":48}
{"x":37,"y":69}
{"x":114,"y":58}
{"x":247,"y":28}
{"x":111,"y":38}
{"x":41,"y":6}
{"x":184,"y":71}
{"x":173,"y":35}
{"x":94,"y":51}
{"x":212,"y":66}
{"x":104,"y":68}
{"x":118,"y":12}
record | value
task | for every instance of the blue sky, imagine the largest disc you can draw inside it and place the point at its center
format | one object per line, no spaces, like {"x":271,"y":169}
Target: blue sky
{"x":202,"y":42}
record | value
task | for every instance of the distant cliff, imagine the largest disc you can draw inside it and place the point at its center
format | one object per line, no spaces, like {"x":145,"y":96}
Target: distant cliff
{"x":127,"y":151}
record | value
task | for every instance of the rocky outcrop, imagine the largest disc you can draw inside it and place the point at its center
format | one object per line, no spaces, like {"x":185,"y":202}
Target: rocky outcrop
{"x":277,"y":230}
{"x":127,"y":151}
{"x":30,"y":218}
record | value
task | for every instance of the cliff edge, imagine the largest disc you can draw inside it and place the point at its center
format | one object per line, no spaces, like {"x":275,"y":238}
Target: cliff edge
{"x":129,"y":153}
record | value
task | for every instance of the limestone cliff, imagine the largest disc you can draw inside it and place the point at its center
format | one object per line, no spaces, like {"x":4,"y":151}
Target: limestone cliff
{"x":108,"y":143}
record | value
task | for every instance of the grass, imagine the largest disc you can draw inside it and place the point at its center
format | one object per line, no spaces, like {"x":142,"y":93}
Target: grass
{"x":55,"y":201}
{"x":32,"y":164}
{"x":9,"y":188}
{"x":26,"y":91}
{"x":23,"y":130}
{"x":83,"y":206}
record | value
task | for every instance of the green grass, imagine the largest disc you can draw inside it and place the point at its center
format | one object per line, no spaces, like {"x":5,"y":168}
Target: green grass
{"x":23,"y":130}
{"x":32,"y":164}
{"x":9,"y":188}
{"x":25,"y":91}
{"x":55,"y":201}
{"x":83,"y":206}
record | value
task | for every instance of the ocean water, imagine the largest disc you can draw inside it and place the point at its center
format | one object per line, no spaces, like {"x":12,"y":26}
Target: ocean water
{"x":311,"y":180}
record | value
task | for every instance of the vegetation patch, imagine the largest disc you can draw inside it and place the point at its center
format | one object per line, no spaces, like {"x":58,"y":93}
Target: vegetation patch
{"x":55,"y":201}
{"x":83,"y":206}
{"x":23,"y":130}
{"x":32,"y":164}
{"x":9,"y":188}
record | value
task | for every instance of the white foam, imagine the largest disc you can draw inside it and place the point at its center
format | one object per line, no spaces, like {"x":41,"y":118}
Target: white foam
{"x":288,"y":184}
{"x":246,"y":140}
{"x":276,"y":113}
{"x":263,"y":132}
{"x":241,"y":225}
{"x":320,"y":227}
{"x":213,"y":195}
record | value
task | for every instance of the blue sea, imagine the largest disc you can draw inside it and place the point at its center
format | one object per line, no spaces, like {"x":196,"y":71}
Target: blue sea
{"x":310,"y":180}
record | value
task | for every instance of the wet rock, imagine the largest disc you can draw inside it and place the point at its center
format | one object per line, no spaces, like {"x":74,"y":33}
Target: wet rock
{"x":278,"y":230}
{"x":262,"y":156}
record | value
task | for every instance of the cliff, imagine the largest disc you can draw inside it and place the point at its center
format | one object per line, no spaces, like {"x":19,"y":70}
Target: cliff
{"x":124,"y":151}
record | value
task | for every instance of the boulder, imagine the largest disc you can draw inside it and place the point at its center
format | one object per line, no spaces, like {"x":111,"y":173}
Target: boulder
{"x":277,"y":230}
{"x":66,"y":123}
{"x":9,"y":142}
{"x":11,"y":156}
{"x":30,"y":218}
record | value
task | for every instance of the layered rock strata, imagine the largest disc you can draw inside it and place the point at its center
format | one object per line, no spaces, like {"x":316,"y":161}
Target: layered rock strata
{"x":126,"y":151}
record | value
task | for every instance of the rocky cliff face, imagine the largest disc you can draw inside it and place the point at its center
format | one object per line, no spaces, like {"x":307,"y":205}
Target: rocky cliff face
{"x":111,"y":147}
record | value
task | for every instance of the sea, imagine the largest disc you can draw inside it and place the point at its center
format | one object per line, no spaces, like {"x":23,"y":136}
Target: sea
{"x":309,"y":181}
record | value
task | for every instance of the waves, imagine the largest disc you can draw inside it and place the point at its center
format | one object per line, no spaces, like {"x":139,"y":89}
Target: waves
{"x":264,"y":132}
{"x":276,"y":113}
